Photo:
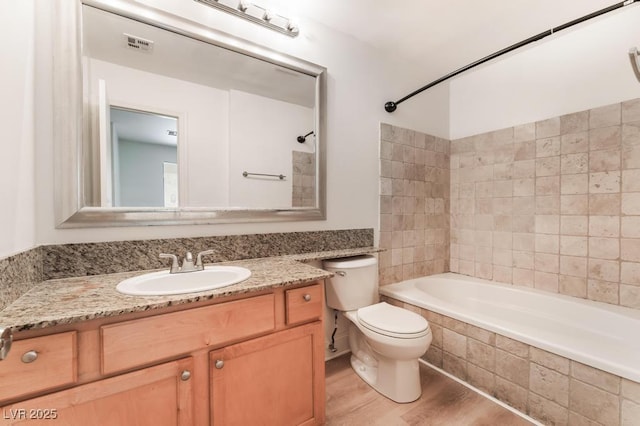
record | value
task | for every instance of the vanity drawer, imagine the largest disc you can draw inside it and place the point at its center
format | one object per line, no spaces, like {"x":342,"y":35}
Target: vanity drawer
{"x":38,"y":364}
{"x":133,"y":343}
{"x":304,"y":304}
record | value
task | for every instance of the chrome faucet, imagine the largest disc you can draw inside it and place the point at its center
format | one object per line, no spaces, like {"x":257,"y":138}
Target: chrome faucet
{"x":187,"y":262}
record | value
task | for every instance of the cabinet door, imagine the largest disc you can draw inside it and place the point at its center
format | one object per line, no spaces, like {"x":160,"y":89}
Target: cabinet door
{"x":273,"y":380}
{"x":155,"y":396}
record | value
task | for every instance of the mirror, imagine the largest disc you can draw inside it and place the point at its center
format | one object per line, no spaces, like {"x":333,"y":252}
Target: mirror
{"x":170,"y":122}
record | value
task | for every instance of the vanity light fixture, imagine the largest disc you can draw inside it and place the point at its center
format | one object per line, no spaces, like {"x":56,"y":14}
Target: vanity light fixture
{"x":257,"y":14}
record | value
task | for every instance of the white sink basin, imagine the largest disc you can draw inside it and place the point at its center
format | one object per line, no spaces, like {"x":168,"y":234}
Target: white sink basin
{"x":163,"y":283}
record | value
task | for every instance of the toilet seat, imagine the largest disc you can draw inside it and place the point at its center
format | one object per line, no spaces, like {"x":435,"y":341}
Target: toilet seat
{"x":392,"y":321}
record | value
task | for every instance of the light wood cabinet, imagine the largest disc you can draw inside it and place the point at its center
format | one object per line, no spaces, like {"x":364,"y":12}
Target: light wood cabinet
{"x":272,"y":380}
{"x":254,"y":359}
{"x":160,"y":395}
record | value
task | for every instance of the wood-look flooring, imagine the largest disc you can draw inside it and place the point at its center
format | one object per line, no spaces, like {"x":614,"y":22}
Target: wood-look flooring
{"x":351,"y":402}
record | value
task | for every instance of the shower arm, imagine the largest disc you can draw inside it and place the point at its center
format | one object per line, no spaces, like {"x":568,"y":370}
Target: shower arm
{"x":302,"y":139}
{"x":391,"y":106}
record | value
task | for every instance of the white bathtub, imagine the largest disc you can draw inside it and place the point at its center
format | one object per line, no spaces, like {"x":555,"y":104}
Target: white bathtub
{"x":597,"y":334}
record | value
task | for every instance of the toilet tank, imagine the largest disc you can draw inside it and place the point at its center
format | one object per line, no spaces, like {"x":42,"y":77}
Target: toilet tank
{"x":354,"y":284}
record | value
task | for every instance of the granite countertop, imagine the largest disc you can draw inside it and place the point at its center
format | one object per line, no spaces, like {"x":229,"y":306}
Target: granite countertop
{"x":71,"y":300}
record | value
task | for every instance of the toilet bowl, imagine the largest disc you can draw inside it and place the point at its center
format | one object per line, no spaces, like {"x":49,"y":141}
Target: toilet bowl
{"x":385,"y":341}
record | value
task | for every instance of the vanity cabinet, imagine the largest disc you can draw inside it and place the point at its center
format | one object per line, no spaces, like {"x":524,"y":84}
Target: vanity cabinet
{"x":159,"y":395}
{"x":250,"y":359}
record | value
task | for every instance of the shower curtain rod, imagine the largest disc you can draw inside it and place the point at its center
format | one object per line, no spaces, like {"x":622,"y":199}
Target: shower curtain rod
{"x":391,"y":105}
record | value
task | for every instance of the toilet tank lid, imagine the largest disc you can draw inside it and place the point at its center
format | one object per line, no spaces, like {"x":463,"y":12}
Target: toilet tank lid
{"x":350,"y":262}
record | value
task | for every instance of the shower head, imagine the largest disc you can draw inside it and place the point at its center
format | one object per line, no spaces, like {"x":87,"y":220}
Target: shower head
{"x":302,"y":139}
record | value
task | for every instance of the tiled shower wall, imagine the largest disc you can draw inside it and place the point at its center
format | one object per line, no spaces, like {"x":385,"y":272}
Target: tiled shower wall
{"x":553,"y":205}
{"x":414,"y":204}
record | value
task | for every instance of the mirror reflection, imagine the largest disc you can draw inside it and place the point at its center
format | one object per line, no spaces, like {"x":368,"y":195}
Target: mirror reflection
{"x":178,"y":123}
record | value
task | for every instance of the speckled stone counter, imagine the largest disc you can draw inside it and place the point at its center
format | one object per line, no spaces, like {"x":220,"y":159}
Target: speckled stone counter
{"x":71,"y":300}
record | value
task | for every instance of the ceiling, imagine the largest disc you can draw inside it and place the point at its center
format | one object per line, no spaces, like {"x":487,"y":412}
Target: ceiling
{"x":440,"y":36}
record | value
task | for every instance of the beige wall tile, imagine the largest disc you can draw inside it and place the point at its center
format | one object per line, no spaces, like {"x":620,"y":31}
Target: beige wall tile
{"x":523,"y":241}
{"x":604,"y":248}
{"x":574,"y":204}
{"x":549,"y":360}
{"x":481,"y":354}
{"x":631,"y":203}
{"x":604,"y":226}
{"x":524,"y":132}
{"x":630,"y":249}
{"x":630,"y":273}
{"x":548,"y":185}
{"x":512,"y":368}
{"x":594,"y":403}
{"x":481,"y":378}
{"x":609,"y":115}
{"x":547,"y":262}
{"x":573,"y":245}
{"x":595,"y":377}
{"x":576,"y":419}
{"x":630,"y":413}
{"x":574,"y":184}
{"x":630,"y":296}
{"x":630,"y":226}
{"x":574,"y":163}
{"x":573,"y":123}
{"x":547,"y":204}
{"x":524,"y":206}
{"x":514,"y":395}
{"x":454,"y":365}
{"x":605,"y":270}
{"x":547,"y":411}
{"x":603,"y":291}
{"x":524,"y":187}
{"x":523,"y":277}
{"x":604,"y":161}
{"x":631,"y":110}
{"x":573,"y":266}
{"x":524,"y":150}
{"x":546,"y":281}
{"x":631,"y":180}
{"x":548,"y":166}
{"x":480,"y":334}
{"x":574,"y":225}
{"x":549,"y":384}
{"x":631,"y":390}
{"x":604,"y":182}
{"x":512,"y":346}
{"x":631,"y":157}
{"x":547,"y":243}
{"x":547,"y":224}
{"x":605,"y":138}
{"x":454,"y":325}
{"x":503,"y":274}
{"x":548,"y":147}
{"x":547,"y":128}
{"x":573,"y":286}
{"x":604,"y":204}
{"x":574,"y":143}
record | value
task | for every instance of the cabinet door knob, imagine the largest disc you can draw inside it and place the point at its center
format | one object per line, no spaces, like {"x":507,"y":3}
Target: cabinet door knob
{"x":29,"y":357}
{"x":186,"y":375}
{"x":219,"y":364}
{"x":307,"y":297}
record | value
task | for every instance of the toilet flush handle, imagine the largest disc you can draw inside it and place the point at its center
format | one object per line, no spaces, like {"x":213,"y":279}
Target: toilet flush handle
{"x":341,"y":273}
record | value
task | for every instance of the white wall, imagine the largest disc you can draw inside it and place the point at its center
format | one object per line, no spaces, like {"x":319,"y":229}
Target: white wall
{"x":360,"y":81}
{"x":262,"y":135}
{"x":17,"y":214}
{"x":575,"y":70}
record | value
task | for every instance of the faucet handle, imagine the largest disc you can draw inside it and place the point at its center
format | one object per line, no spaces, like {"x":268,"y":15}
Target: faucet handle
{"x":199,"y":257}
{"x":174,"y":261}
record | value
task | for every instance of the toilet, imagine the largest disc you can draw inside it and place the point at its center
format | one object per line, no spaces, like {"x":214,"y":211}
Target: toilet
{"x":385,"y":341}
